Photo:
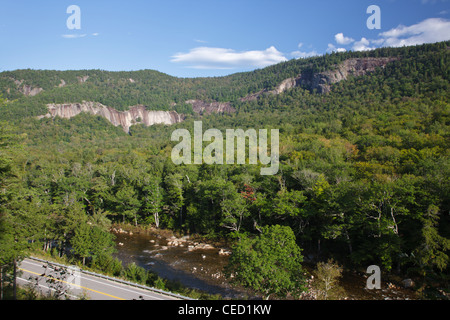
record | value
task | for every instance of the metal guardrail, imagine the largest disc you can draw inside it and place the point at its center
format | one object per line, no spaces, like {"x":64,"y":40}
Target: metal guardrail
{"x":137,"y":285}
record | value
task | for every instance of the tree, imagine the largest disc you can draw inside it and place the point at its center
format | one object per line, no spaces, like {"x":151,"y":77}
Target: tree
{"x":269,"y":263}
{"x":135,"y":273}
{"x":174,"y":189}
{"x":91,"y":241}
{"x":235,"y":206}
{"x":433,"y":252}
{"x":153,"y":200}
{"x":82,"y":242}
{"x":127,"y":202}
{"x":14,"y":234}
{"x":289,"y":205}
{"x":234,"y":210}
{"x":327,"y":280}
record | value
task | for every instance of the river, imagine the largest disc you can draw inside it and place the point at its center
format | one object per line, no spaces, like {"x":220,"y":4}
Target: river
{"x":193,"y":264}
{"x":200,"y":266}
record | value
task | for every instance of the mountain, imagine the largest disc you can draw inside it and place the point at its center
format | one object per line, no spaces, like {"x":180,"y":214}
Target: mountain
{"x":320,"y":82}
{"x":364,"y":146}
{"x":39,"y":88}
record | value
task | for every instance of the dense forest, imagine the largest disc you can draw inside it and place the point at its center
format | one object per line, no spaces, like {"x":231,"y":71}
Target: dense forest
{"x":364,"y":170}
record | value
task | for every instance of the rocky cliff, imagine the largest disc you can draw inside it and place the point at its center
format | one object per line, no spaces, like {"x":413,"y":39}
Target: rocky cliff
{"x":202,"y":107}
{"x":27,"y":89}
{"x":321,"y":82}
{"x":125,"y":119}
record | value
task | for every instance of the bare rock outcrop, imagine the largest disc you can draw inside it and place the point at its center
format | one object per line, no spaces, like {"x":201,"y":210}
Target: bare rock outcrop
{"x":82,"y":79}
{"x":27,"y":89}
{"x":202,"y":107}
{"x":321,"y":82}
{"x":284,"y":85}
{"x":125,"y":119}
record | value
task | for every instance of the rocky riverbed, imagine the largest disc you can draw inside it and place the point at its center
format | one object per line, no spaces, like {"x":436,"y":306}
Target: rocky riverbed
{"x":199,"y":264}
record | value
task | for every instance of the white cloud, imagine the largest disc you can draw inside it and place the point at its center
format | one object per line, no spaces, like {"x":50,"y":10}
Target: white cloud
{"x":221,"y":58}
{"x":341,"y":39}
{"x":428,"y":31}
{"x":73,"y":36}
{"x":432,"y":1}
{"x":377,"y":42}
{"x":332,"y":48}
{"x":362,"y":45}
{"x":301,"y":54}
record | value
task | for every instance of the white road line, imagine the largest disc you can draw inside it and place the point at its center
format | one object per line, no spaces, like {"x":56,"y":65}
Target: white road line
{"x":121,"y":288}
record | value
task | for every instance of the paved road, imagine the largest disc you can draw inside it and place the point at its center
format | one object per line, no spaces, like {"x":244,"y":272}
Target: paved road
{"x":79,"y":284}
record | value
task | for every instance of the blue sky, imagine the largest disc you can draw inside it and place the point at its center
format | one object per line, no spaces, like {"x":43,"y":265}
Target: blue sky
{"x":189,"y":38}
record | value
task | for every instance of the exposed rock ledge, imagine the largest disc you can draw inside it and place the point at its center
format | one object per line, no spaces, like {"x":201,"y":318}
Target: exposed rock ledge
{"x":202,"y":107}
{"x":321,"y":82}
{"x":135,"y":115}
{"x":27,"y":89}
{"x":351,"y":67}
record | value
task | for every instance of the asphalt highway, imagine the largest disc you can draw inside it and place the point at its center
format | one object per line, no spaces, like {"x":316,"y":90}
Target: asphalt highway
{"x":77,"y":284}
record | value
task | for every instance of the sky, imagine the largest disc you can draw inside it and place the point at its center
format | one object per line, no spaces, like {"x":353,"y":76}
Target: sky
{"x":206,"y":38}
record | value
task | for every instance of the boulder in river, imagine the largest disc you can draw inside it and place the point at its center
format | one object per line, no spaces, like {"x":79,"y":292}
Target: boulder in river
{"x":224,"y":252}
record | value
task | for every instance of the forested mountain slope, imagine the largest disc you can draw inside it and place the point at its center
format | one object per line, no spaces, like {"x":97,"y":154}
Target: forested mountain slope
{"x":32,"y":90}
{"x":364,"y":164}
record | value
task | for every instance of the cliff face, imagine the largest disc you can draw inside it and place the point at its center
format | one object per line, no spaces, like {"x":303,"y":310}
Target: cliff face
{"x":321,"y":82}
{"x":125,"y":119}
{"x":30,"y":91}
{"x":202,"y":107}
{"x":27,"y":89}
{"x":282,"y":87}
